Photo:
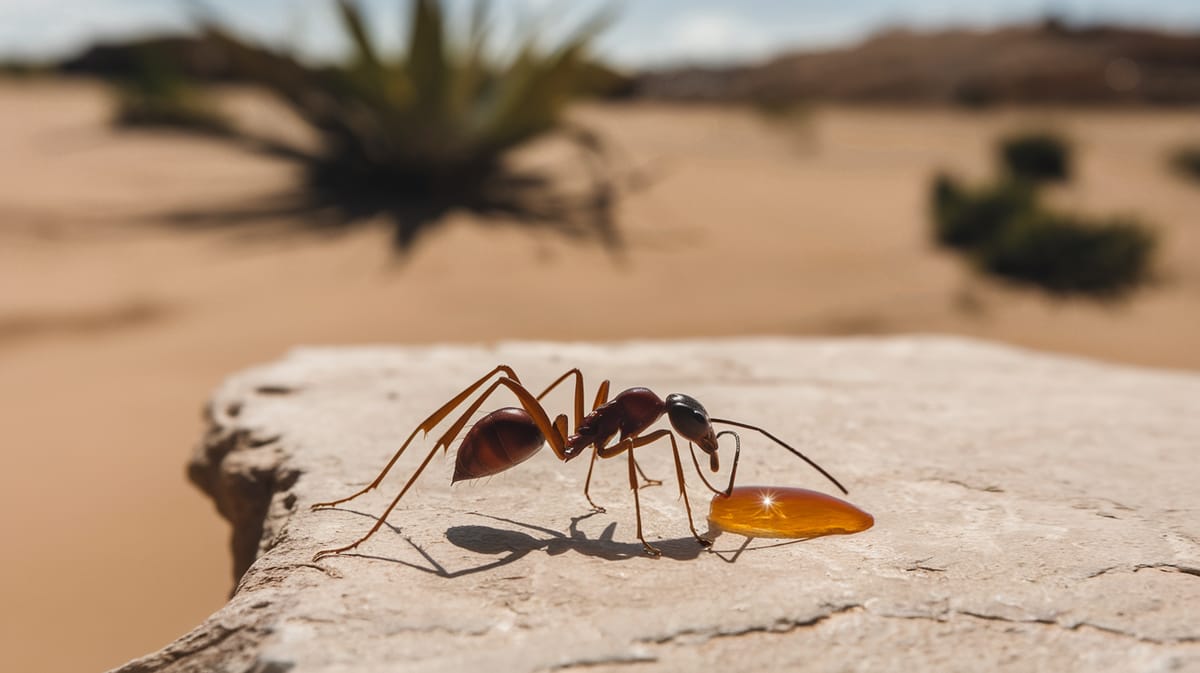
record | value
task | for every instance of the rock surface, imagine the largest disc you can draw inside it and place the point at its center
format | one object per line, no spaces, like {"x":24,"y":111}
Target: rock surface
{"x":1032,"y":513}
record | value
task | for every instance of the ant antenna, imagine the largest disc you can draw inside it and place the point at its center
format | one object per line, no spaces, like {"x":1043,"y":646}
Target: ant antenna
{"x":780,"y":442}
{"x":737,"y":454}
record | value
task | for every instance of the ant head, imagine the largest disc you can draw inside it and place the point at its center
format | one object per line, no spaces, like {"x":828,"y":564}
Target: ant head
{"x":690,"y":419}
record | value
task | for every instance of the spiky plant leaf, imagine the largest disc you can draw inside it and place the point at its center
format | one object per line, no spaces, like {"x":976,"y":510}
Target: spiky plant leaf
{"x":353,"y":21}
{"x":537,"y":88}
{"x":427,"y":65}
{"x":468,"y":86}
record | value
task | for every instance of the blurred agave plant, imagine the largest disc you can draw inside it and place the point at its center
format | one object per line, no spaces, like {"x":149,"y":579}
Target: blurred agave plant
{"x":416,"y":136}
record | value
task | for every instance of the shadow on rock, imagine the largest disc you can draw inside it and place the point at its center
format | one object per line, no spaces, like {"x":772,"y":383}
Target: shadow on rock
{"x":514,"y":545}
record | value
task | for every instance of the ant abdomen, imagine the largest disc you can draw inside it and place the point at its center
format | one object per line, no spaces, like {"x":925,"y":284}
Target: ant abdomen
{"x":500,"y":440}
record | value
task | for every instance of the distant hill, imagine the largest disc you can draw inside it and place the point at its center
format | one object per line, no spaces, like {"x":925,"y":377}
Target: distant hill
{"x":1047,"y":63}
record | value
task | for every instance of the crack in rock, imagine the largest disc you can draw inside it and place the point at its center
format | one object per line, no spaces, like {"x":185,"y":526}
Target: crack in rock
{"x":1182,"y":640}
{"x":1169,"y":567}
{"x":616,"y":660}
{"x":1104,"y":571}
{"x":990,"y":488}
{"x":1044,"y":621}
{"x":781,"y":626}
{"x":1001,"y":618}
{"x":195,"y":643}
{"x":1186,"y":570}
{"x":206,"y":648}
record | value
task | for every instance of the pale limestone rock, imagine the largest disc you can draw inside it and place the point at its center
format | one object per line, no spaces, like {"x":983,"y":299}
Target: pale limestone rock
{"x":1032,"y":513}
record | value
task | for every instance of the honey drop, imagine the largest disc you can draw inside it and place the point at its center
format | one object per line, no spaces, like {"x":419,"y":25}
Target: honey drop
{"x":774,"y":511}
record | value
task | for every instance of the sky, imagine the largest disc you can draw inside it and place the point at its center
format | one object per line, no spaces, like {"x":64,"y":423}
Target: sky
{"x":644,"y":33}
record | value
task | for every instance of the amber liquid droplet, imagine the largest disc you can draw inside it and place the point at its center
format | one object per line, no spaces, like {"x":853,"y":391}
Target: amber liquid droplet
{"x":774,"y":511}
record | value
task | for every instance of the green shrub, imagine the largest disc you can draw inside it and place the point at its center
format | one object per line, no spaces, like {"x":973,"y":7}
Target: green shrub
{"x":597,"y":80}
{"x":22,"y":69}
{"x":1036,"y":157}
{"x":156,"y":95}
{"x":431,"y":130}
{"x":1002,"y":228}
{"x":783,"y":109}
{"x":1186,"y":162}
{"x":1066,"y":254}
{"x":968,"y":219}
{"x":973,"y":95}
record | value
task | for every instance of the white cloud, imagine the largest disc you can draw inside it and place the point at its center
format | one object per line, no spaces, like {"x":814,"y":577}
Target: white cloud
{"x":698,"y":36}
{"x":714,"y":33}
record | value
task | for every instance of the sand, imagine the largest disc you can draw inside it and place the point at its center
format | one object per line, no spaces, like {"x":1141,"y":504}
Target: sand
{"x":114,"y":327}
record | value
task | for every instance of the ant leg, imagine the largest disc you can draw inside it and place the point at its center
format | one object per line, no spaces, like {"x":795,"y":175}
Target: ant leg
{"x":704,"y":542}
{"x":601,"y":398}
{"x":578,"y":392}
{"x":637,"y":508}
{"x":425,"y":425}
{"x":587,"y":484}
{"x":648,"y":481}
{"x":601,"y":395}
{"x":383,"y":517}
{"x":631,"y":443}
{"x":627,"y":445}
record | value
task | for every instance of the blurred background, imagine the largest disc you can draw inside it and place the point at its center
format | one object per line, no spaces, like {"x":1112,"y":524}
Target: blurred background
{"x":187,"y":189}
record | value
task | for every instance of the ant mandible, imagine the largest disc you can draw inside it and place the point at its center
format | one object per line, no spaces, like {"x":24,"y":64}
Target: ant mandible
{"x":509,"y":436}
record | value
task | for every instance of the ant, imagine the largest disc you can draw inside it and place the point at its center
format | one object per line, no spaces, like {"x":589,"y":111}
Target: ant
{"x":509,"y":436}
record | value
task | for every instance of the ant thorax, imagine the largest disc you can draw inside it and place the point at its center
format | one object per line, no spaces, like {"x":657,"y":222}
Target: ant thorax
{"x":629,"y":413}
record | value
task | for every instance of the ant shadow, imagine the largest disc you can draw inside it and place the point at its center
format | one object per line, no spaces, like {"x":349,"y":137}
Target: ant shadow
{"x":516,"y":544}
